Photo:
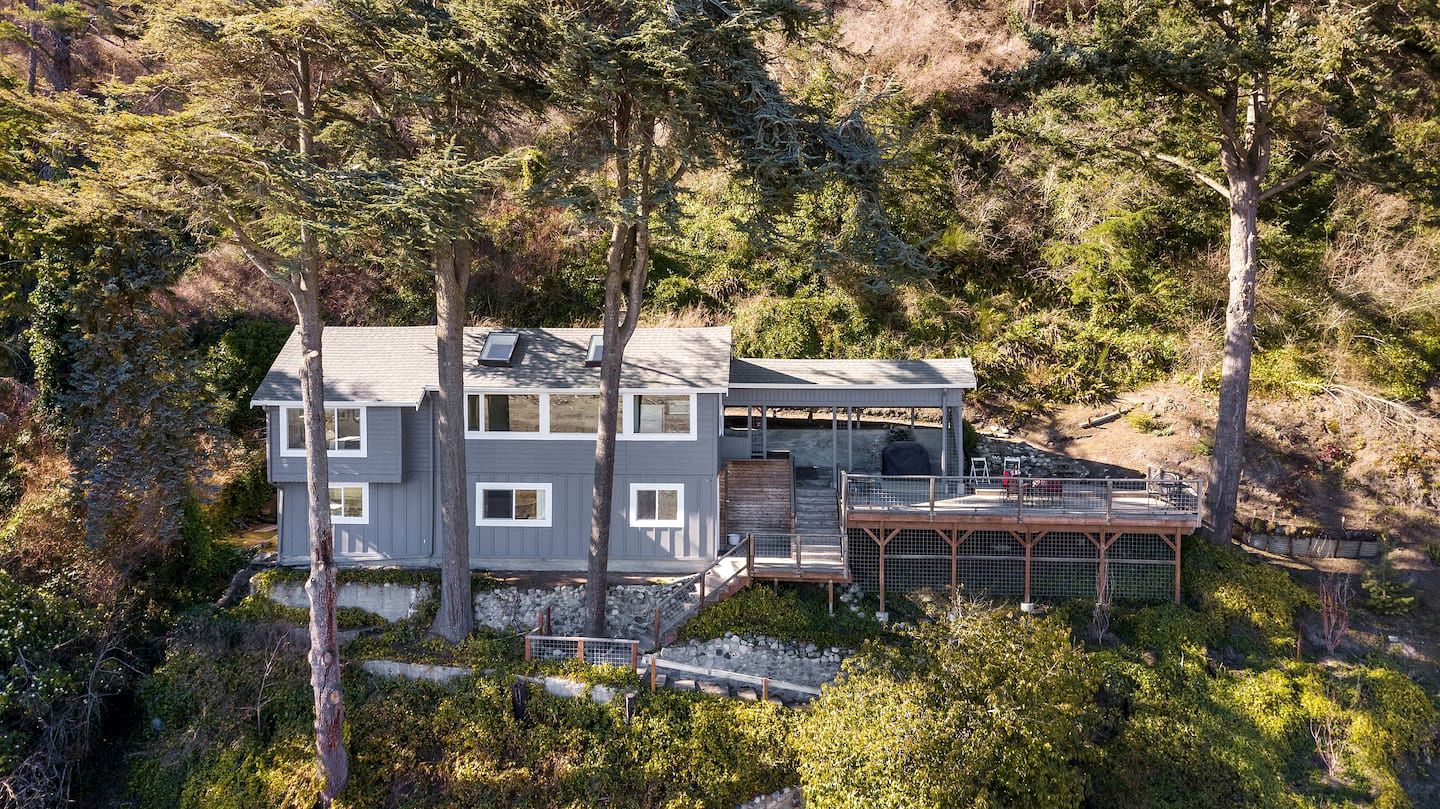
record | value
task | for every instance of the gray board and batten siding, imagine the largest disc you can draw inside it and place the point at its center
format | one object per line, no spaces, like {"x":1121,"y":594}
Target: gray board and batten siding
{"x":390,"y":372}
{"x":403,"y":511}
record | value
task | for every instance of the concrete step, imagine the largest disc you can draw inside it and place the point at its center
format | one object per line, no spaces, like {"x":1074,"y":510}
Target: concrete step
{"x":714,"y":689}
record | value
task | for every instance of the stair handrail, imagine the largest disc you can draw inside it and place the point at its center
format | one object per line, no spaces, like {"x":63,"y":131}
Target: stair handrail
{"x":680,"y":595}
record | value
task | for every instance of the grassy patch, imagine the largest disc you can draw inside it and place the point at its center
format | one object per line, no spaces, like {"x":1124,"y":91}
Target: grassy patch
{"x":479,"y":580}
{"x":259,"y":608}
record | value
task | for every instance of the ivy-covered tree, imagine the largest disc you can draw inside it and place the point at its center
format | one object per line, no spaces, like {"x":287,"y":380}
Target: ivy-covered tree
{"x":118,"y":372}
{"x":1267,"y":92}
{"x":647,"y":92}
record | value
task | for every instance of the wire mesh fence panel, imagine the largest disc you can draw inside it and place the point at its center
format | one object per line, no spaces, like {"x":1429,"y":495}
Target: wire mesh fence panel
{"x":1141,"y":567}
{"x":1141,"y":581}
{"x":1064,"y":564}
{"x":595,"y":651}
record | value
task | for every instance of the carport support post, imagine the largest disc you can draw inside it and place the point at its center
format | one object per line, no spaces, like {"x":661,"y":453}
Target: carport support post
{"x":764,"y":432}
{"x":834,"y":443}
{"x":850,"y":438}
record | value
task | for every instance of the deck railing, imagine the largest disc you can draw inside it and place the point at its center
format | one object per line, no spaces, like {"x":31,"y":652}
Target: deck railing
{"x":1104,"y":499}
{"x":801,"y":551}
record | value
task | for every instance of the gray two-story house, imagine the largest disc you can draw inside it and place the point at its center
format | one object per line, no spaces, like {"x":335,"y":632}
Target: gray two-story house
{"x":691,"y":418}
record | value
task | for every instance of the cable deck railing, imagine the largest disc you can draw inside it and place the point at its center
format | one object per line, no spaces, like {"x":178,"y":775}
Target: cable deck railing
{"x":1165,"y":498}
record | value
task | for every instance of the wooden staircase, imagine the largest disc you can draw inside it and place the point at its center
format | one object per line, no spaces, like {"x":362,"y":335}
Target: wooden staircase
{"x":728,"y":574}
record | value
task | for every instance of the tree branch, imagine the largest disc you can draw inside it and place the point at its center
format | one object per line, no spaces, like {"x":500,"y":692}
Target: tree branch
{"x":1293,"y":180}
{"x":267,"y":261}
{"x":1180,"y":163}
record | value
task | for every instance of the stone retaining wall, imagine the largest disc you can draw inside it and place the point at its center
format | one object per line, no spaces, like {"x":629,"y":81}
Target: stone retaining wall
{"x":802,"y":663}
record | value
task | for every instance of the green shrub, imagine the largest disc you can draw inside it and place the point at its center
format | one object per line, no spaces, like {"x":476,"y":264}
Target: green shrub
{"x":1257,"y":602}
{"x":987,"y":708}
{"x":789,"y":612}
{"x":1148,"y":423}
{"x":1386,"y":593}
{"x":423,"y":744}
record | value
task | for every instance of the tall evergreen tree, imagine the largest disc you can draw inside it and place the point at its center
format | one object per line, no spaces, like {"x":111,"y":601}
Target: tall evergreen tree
{"x":646,"y":92}
{"x":1270,"y":92}
{"x":247,"y":143}
{"x":444,"y":85}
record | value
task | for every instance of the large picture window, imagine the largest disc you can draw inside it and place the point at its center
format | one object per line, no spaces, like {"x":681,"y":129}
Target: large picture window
{"x":503,"y":413}
{"x":349,"y":503}
{"x":513,"y":504}
{"x":574,"y":413}
{"x":657,"y":505}
{"x":661,"y":414}
{"x":344,"y":430}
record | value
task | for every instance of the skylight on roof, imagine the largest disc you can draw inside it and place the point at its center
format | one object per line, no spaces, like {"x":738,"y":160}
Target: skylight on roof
{"x":596,"y":351}
{"x":499,"y":348}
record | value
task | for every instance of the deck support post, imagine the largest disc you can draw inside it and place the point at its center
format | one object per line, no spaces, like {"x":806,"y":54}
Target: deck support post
{"x":1100,"y":572}
{"x":1026,"y":540}
{"x":882,"y":566}
{"x":952,"y":537}
{"x":1177,"y":567}
{"x":830,"y":594}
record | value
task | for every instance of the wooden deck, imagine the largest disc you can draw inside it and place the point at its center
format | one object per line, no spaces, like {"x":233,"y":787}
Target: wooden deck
{"x":988,"y":503}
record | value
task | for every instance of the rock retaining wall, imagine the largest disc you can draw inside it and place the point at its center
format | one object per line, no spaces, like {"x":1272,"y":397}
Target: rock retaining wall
{"x":628,"y":609}
{"x":787,"y":798}
{"x":802,"y":663}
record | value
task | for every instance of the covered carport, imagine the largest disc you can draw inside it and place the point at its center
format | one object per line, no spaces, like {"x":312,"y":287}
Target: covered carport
{"x":845,"y":388}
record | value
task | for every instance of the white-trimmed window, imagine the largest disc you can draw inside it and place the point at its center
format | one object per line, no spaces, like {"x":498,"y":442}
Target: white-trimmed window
{"x":349,"y":503}
{"x":662,"y":414}
{"x":568,"y":415}
{"x":344,"y":431}
{"x":503,"y":413}
{"x":657,"y":505}
{"x":513,"y":504}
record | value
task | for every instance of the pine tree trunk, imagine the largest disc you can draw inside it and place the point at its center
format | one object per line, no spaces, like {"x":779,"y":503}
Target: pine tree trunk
{"x":1228,"y":458}
{"x":324,"y":640}
{"x":456,"y":616}
{"x":611,"y":361}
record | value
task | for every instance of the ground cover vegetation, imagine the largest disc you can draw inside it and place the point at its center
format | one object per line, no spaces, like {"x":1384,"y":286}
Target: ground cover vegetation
{"x":1198,"y":704}
{"x":134,"y":325}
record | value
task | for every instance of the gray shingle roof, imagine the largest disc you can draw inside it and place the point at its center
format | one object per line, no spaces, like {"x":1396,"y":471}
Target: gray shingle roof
{"x":397,"y":364}
{"x":954,"y":373}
